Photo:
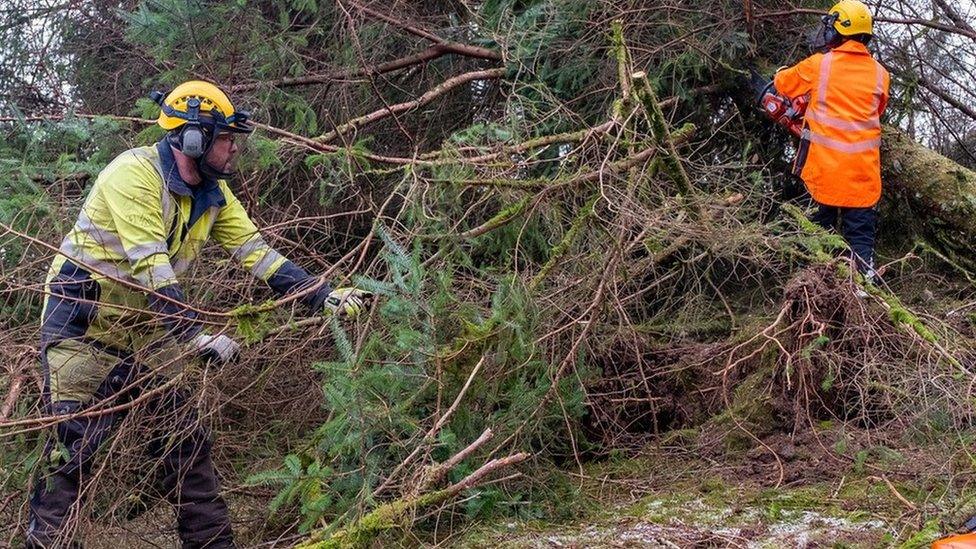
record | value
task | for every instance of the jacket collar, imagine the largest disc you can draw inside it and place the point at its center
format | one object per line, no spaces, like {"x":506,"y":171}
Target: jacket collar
{"x":209,"y":191}
{"x":853,"y":46}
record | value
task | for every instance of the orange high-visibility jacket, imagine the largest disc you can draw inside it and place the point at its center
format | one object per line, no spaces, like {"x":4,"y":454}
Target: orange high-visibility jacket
{"x":848,"y":93}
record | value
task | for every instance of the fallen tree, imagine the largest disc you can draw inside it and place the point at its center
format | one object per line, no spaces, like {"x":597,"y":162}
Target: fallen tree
{"x":584,"y":267}
{"x":941,"y":192}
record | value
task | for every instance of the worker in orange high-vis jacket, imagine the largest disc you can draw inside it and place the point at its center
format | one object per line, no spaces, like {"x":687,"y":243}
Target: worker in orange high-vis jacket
{"x":962,"y":541}
{"x":839,"y":158}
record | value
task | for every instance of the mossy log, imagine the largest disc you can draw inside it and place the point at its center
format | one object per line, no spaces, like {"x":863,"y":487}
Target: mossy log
{"x":941,"y":192}
{"x":398,"y":513}
{"x":750,"y":411}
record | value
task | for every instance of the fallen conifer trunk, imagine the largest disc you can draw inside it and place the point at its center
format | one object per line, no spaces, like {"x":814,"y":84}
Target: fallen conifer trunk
{"x":940,"y":191}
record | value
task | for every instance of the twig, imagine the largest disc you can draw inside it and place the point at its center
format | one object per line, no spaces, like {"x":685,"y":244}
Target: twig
{"x":560,"y":249}
{"x":427,"y":97}
{"x":453,"y":47}
{"x":894,"y":20}
{"x":432,"y":432}
{"x":954,"y":16}
{"x":429,"y":54}
{"x":447,"y":415}
{"x":13,"y":393}
{"x":750,"y":19}
{"x":911,"y":506}
{"x":437,"y":472}
{"x":390,"y":515}
{"x":645,"y":93}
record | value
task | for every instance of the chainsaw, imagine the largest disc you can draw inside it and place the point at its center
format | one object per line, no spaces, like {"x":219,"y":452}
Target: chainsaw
{"x":784,"y":111}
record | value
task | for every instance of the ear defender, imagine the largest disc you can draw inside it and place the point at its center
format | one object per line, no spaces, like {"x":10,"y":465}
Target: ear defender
{"x":191,"y":137}
{"x":191,"y":141}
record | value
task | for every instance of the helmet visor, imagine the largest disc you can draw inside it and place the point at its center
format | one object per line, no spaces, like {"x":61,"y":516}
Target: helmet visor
{"x":239,"y":122}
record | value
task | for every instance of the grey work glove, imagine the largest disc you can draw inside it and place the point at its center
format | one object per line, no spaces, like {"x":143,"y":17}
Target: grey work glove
{"x":218,"y":348}
{"x":348,"y":302}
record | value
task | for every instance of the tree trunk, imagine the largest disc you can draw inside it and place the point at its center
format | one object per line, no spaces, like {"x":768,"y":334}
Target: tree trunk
{"x":938,"y":189}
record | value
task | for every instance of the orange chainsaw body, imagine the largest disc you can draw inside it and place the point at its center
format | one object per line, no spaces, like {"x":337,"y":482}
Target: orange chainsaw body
{"x":784,"y":111}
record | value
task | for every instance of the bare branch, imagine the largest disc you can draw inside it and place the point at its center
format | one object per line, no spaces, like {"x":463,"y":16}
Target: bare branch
{"x":453,"y":47}
{"x":427,"y":97}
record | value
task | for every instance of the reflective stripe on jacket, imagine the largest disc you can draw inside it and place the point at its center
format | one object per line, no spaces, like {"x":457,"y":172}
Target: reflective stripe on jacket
{"x":848,"y":94}
{"x":133,"y":227}
{"x":136,"y":226}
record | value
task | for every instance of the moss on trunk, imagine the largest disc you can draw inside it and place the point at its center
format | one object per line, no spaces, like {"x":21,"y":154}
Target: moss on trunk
{"x":935,"y":187}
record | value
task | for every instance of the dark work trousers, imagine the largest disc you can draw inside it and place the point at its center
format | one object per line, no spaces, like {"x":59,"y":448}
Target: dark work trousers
{"x":177,"y":444}
{"x":858,"y":226}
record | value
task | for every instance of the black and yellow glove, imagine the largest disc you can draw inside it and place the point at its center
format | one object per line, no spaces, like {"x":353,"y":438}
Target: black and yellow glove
{"x":347,"y":302}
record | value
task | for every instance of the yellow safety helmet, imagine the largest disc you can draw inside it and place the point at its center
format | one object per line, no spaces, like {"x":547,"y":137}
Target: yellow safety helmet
{"x":195,"y":113}
{"x":194,"y":98}
{"x":851,"y":17}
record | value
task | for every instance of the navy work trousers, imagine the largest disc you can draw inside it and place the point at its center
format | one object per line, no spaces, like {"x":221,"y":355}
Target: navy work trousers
{"x":184,"y":473}
{"x":857,"y":226}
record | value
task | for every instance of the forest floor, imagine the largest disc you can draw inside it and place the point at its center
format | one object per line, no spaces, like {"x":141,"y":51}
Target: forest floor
{"x":664,"y":498}
{"x":688,"y":497}
{"x":828,"y":484}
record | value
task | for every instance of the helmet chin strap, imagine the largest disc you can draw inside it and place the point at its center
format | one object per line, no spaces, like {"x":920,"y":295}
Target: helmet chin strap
{"x":208,"y":171}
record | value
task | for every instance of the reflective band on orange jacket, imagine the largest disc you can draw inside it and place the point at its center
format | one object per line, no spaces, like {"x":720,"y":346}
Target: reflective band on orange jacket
{"x":848,"y":93}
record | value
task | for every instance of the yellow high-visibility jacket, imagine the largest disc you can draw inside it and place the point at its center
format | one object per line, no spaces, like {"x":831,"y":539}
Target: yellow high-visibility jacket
{"x":142,"y":224}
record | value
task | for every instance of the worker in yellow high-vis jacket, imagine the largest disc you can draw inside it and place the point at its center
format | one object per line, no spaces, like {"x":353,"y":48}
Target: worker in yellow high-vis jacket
{"x":115,"y":325}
